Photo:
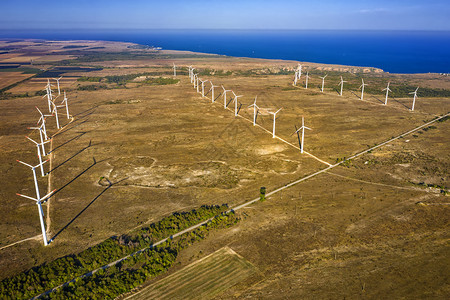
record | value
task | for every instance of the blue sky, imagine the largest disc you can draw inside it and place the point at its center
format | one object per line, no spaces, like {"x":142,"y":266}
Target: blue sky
{"x":226,"y":14}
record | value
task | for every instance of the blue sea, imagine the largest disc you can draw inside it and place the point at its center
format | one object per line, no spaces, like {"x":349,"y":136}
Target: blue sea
{"x":392,"y":51}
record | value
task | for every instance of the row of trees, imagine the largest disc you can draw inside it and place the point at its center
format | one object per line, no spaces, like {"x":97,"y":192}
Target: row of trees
{"x":135,"y":270}
{"x":49,"y":275}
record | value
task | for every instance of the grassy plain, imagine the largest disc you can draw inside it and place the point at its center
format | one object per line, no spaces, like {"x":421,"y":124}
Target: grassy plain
{"x":348,"y":233}
{"x":202,"y":279}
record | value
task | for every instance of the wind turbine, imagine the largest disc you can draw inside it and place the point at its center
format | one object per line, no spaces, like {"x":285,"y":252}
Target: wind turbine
{"x":66,"y":105}
{"x":274,"y":118}
{"x":303,"y":133}
{"x":42,"y":119}
{"x":198,"y":85}
{"x":212,"y":91}
{"x":48,"y":95}
{"x":235,"y":103}
{"x":307,"y":77}
{"x":225,"y":97}
{"x":362,"y":88}
{"x":42,"y":138}
{"x":203,"y":87}
{"x":387,"y":93}
{"x":299,"y":72}
{"x":341,"y":83}
{"x":415,"y":96}
{"x":55,"y":111}
{"x":191,"y":73}
{"x":194,"y":80}
{"x":323,"y":81}
{"x":295,"y":78}
{"x":38,"y":199}
{"x":57,"y":80}
{"x":255,"y":110}
{"x":38,"y":146}
{"x":174,"y":70}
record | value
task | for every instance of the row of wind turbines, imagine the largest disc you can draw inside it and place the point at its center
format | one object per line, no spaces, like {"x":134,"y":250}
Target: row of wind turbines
{"x":199,"y":85}
{"x":40,"y":147}
{"x":298,"y":74}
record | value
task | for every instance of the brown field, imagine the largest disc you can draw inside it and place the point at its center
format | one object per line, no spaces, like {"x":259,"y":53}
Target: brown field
{"x":203,"y":279}
{"x":8,"y":78}
{"x":375,"y":226}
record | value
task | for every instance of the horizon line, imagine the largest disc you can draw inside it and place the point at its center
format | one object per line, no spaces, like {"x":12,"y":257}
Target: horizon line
{"x":229,"y":29}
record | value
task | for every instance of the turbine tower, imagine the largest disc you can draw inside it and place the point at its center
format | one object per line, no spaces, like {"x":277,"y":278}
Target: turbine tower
{"x":197,"y":84}
{"x":174,"y":70}
{"x":341,"y":83}
{"x":323,"y":81}
{"x":64,"y":103}
{"x":299,"y":71}
{"x":203,"y":87}
{"x":274,"y":118}
{"x":42,"y":138}
{"x":57,"y":80}
{"x":212,"y":91}
{"x":387,"y":89}
{"x":225,"y":97}
{"x":303,"y":133}
{"x":38,"y":146}
{"x":414,"y":100}
{"x":235,"y":103}
{"x":38,"y":200}
{"x":55,"y":112}
{"x":255,"y":110}
{"x":48,"y":89}
{"x":295,"y":78}
{"x":362,"y":88}
{"x":42,"y":119}
{"x":307,"y":77}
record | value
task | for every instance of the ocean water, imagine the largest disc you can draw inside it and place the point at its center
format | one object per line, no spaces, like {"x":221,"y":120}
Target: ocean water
{"x":392,"y":51}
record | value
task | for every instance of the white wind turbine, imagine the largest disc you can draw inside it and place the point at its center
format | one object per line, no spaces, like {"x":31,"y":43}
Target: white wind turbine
{"x":194,"y":80}
{"x":49,"y":95}
{"x":303,"y":133}
{"x":191,"y":73}
{"x":57,"y":80}
{"x":174,"y":70}
{"x":66,"y":104}
{"x":387,"y":89}
{"x":341,"y":83}
{"x":225,"y":97}
{"x":55,"y":112}
{"x":307,"y":77}
{"x":299,"y":72}
{"x":41,"y":137}
{"x":212,"y":91}
{"x":203,"y":87}
{"x":323,"y":81}
{"x":414,"y":100}
{"x":295,"y":78}
{"x":42,"y":119}
{"x":38,"y":146}
{"x":362,"y":88}
{"x":38,"y":199}
{"x":255,"y":110}
{"x":235,"y":103}
{"x":197,"y":84}
{"x":274,"y":118}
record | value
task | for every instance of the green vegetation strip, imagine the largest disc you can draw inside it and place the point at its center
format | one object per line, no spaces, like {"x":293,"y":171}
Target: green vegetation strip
{"x":121,"y":80}
{"x":125,"y":274}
